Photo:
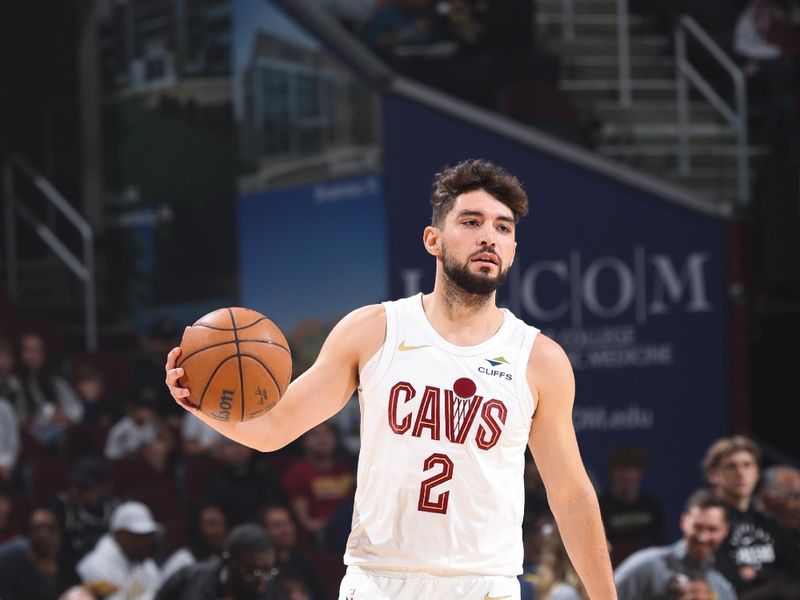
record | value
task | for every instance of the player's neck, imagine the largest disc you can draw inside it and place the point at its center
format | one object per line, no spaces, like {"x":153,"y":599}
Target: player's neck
{"x":461,"y":318}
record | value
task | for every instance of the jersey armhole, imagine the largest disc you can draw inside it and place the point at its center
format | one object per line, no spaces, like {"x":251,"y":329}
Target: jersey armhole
{"x":523,"y":388}
{"x":386,"y":351}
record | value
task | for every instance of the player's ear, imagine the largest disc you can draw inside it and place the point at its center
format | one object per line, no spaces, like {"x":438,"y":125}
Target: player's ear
{"x":432,"y":239}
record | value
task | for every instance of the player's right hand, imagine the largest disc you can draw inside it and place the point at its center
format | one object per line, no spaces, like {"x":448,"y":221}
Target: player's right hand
{"x":180,"y":394}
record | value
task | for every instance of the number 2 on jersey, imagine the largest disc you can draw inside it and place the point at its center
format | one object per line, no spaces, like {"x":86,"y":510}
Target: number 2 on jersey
{"x":439,"y":505}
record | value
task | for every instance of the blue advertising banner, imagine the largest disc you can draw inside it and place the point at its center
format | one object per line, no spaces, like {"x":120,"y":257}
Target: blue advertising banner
{"x":305,"y":252}
{"x":630,"y":285}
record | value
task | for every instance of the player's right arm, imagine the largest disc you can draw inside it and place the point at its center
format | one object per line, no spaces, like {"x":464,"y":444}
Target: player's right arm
{"x":312,"y":398}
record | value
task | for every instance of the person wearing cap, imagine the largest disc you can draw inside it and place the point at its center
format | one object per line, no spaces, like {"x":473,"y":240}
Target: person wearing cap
{"x":245,"y":572}
{"x":121,"y":559}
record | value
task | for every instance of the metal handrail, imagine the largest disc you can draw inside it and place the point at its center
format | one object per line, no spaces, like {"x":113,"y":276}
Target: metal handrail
{"x":623,"y":43}
{"x":736,"y":117}
{"x":83,"y":269}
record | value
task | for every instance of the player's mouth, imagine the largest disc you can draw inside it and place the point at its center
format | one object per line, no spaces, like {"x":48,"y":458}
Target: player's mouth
{"x":485,"y":257}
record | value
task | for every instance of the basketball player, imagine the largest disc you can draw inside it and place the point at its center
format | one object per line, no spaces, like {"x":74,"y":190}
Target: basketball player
{"x":452,"y":388}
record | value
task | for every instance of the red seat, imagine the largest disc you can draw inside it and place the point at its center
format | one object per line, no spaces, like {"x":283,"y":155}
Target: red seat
{"x":330,"y":568}
{"x":46,"y":477}
{"x":85,"y":439}
{"x":196,"y":470}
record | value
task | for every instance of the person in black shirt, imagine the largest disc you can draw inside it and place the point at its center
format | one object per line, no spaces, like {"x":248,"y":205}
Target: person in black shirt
{"x":755,"y":551}
{"x":245,"y":572}
{"x":84,"y":508}
{"x":632,"y":518}
{"x":240,"y":487}
{"x":39,"y":573}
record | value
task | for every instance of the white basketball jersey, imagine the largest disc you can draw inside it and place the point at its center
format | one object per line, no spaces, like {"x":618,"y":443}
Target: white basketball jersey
{"x":443,"y":435}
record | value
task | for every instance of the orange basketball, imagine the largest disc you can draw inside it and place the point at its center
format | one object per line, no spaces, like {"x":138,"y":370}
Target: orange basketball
{"x":236,"y":364}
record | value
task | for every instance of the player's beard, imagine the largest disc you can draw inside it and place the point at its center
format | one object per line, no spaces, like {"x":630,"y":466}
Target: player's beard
{"x":479,"y":284}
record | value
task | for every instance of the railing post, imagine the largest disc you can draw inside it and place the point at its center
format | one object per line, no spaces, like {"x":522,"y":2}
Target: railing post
{"x":743,"y":164}
{"x":11,"y":234}
{"x":568,"y":16}
{"x":624,"y":53}
{"x":90,"y":293}
{"x":682,"y":90}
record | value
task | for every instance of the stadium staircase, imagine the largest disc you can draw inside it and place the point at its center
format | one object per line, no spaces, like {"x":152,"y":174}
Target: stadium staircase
{"x":645,"y":133}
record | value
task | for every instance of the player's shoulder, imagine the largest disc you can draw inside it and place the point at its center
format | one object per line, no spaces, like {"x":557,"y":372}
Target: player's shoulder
{"x":365,"y":318}
{"x":546,"y":354}
{"x":362,"y":325}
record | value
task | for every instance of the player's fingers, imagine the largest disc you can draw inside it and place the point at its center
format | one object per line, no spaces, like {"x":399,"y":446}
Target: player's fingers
{"x":184,"y":403}
{"x":172,"y":358}
{"x":172,"y":377}
{"x":178,"y":392}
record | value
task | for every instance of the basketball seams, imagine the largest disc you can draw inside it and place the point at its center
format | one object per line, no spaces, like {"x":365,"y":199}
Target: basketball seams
{"x":269,"y":372}
{"x":203,"y":349}
{"x":256,"y":322}
{"x":239,"y":360}
{"x":218,"y":344}
{"x":271,"y":343}
{"x":211,"y":378}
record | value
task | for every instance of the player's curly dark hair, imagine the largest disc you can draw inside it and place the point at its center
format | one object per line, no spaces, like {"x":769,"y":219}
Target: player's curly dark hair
{"x":476,"y":174}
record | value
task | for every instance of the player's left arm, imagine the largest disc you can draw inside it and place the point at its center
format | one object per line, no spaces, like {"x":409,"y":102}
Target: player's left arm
{"x":571,"y":496}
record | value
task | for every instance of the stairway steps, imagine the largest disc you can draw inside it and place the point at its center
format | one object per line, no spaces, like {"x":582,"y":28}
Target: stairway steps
{"x":589,"y":45}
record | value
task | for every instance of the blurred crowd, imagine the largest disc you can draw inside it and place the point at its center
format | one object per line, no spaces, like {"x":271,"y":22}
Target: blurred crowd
{"x":109,"y":490}
{"x":739,"y":536}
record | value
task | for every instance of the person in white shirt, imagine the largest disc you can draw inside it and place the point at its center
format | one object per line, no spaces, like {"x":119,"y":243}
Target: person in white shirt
{"x":131,"y":432}
{"x":121,"y":559}
{"x":9,"y":439}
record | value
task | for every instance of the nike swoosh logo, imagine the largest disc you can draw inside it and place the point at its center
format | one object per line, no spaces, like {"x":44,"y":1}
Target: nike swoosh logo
{"x":403,"y":348}
{"x":488,"y":597}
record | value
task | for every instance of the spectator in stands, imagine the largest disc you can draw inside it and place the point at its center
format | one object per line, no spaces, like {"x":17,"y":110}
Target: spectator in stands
{"x":684,"y":569}
{"x":40,"y":573}
{"x":766,"y":41}
{"x":85,"y":507}
{"x":138,"y":428}
{"x":91,"y":388}
{"x":403,"y":22}
{"x":7,"y":528}
{"x":297,"y":584}
{"x":10,"y":386}
{"x":282,"y":531}
{"x":534,"y":535}
{"x":412,"y":37}
{"x":47,"y":404}
{"x":536,"y":507}
{"x":244,"y":572}
{"x":207,"y":530}
{"x":316,"y":484}
{"x":238,"y":488}
{"x":148,"y":372}
{"x":197,"y":437}
{"x":121,"y":559}
{"x":754,"y":551}
{"x":779,"y":497}
{"x":558,"y":579}
{"x":632,"y":518}
{"x":9,"y":439}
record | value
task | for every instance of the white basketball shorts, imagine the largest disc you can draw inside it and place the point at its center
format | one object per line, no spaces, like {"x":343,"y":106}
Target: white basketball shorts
{"x":360,"y":584}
